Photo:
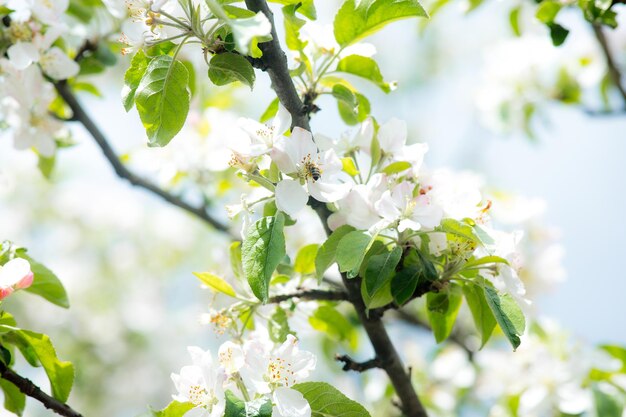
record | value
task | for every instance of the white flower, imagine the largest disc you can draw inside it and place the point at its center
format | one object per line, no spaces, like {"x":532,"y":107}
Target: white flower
{"x":414,"y":213}
{"x":276,"y":372}
{"x":231,"y":357}
{"x":457,"y":193}
{"x":320,"y":42}
{"x":357,"y":208}
{"x":201,"y":384}
{"x":298,"y":157}
{"x":54,"y":62}
{"x":14,"y":275}
{"x":49,"y":12}
{"x":347,"y":143}
{"x":26,"y":97}
{"x":263,"y":137}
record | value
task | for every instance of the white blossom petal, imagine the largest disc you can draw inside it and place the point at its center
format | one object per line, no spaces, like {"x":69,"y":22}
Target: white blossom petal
{"x":290,"y":197}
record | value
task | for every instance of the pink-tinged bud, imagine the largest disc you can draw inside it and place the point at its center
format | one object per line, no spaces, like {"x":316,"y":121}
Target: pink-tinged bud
{"x":25,"y":282}
{"x":5,"y":292}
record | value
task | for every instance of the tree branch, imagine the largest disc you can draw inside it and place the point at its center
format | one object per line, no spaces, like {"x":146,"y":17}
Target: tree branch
{"x":350,"y":365}
{"x":81,"y":116}
{"x":28,"y":388}
{"x":320,"y":295}
{"x":614,"y":71}
{"x":275,"y":60}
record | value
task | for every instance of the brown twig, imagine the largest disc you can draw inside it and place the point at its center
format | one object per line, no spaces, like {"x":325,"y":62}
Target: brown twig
{"x":275,"y":61}
{"x":614,"y":71}
{"x":27,"y":387}
{"x":82,"y":117}
{"x":351,"y":365}
{"x":319,"y":295}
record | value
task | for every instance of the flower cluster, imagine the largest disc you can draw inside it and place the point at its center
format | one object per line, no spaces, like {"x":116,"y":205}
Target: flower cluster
{"x":254,"y":371}
{"x":29,"y":35}
{"x":14,"y":275}
{"x":377,"y":182}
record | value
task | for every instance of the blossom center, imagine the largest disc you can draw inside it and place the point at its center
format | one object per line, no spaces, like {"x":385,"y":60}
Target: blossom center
{"x":199,"y":396}
{"x":281,"y":372}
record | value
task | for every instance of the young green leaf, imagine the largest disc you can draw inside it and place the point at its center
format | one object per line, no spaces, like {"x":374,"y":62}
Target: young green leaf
{"x":508,"y":314}
{"x":330,"y":321}
{"x":326,"y":254}
{"x":45,"y":283}
{"x":607,"y":405}
{"x":37,"y":349}
{"x":404,"y":283}
{"x":293,"y":24}
{"x":484,"y":320}
{"x":356,"y":20}
{"x":262,"y":250}
{"x":173,"y":409}
{"x":134,"y":73}
{"x":305,"y":259}
{"x":351,"y":250}
{"x":326,"y":401}
{"x":278,"y":326}
{"x":364,"y":67}
{"x":236,"y":407}
{"x":14,"y":399}
{"x":396,"y":167}
{"x":380,"y":269}
{"x":228,"y":67}
{"x":162,"y":99}
{"x":215,"y":283}
{"x":442,"y":309}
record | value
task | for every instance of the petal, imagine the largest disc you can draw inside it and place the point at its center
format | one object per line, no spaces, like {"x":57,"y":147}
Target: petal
{"x":22,"y":54}
{"x":363,"y":138}
{"x":386,"y":207}
{"x":280,"y":154}
{"x":408,"y":224}
{"x":302,"y":145}
{"x":290,"y":197}
{"x":58,"y":65}
{"x":282,"y":120}
{"x":290,"y":403}
{"x":25,"y":282}
{"x":327,"y":192}
{"x":246,"y":29}
{"x":392,"y":135}
{"x":13,"y":272}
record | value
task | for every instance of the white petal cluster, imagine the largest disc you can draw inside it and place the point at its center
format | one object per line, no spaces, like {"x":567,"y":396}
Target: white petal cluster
{"x":253,"y":370}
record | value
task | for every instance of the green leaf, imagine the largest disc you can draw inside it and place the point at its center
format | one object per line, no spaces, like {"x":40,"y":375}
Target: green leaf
{"x":132,"y":78}
{"x":484,"y":320}
{"x":46,"y":165}
{"x":547,"y":11}
{"x":380,"y":269}
{"x":492,"y":259}
{"x":396,"y":167}
{"x":558,"y":34}
{"x":356,"y":21}
{"x":305,"y":259}
{"x":507,"y":313}
{"x":364,"y":67}
{"x":14,"y":399}
{"x":235,"y":259}
{"x":351,"y":250}
{"x":45,"y":283}
{"x":404,"y":283}
{"x":173,"y":409}
{"x":278,"y":326}
{"x":235,"y":407}
{"x":326,"y":253}
{"x":270,"y":112}
{"x":262,"y":250}
{"x":606,"y":405}
{"x":60,"y":374}
{"x":330,"y":321}
{"x":442,"y":309}
{"x":293,"y":24}
{"x":514,"y":20}
{"x":327,"y":401}
{"x":228,"y":67}
{"x":162,"y":99}
{"x":455,"y":227}
{"x":306,"y":8}
{"x":216,"y":283}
